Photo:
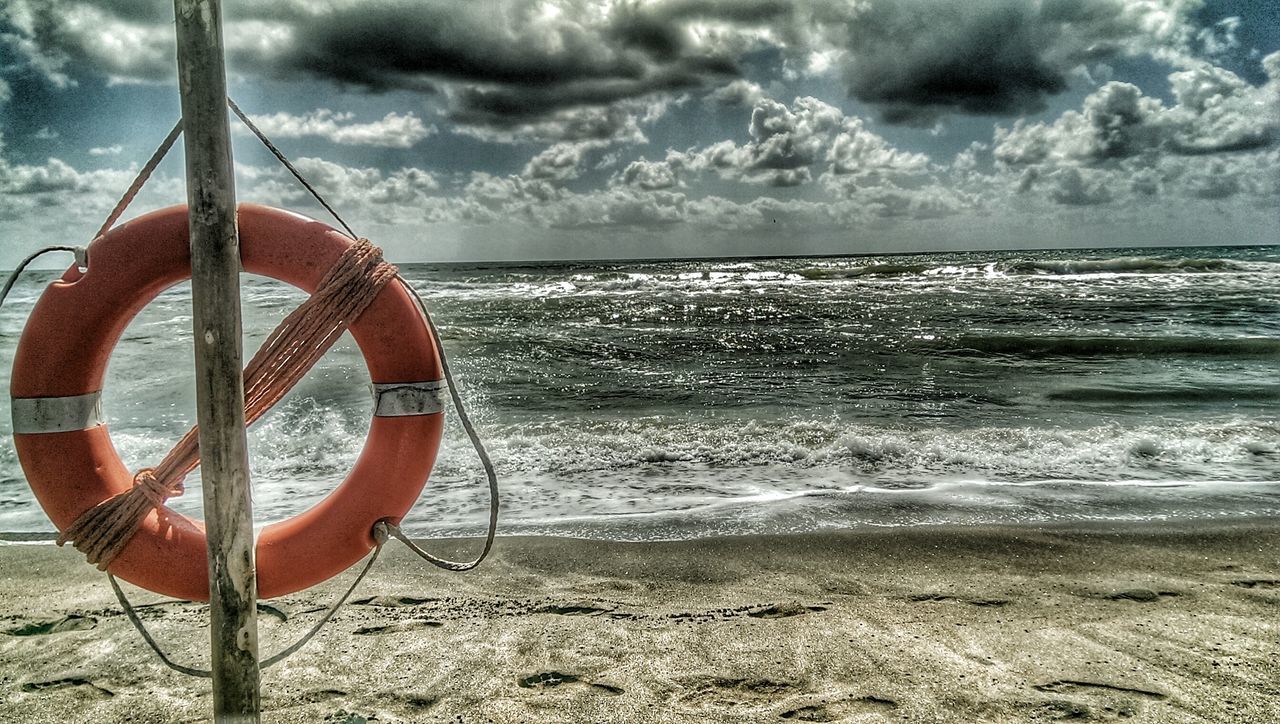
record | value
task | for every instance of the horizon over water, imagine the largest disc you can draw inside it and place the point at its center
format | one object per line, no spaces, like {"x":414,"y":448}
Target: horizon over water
{"x":659,"y":399}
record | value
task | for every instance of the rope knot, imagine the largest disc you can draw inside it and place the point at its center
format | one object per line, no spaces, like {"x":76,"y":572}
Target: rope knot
{"x":156,"y":492}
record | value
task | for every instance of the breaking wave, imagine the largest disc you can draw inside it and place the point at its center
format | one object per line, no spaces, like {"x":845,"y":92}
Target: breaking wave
{"x":1065,"y":346}
{"x":1043,"y":267}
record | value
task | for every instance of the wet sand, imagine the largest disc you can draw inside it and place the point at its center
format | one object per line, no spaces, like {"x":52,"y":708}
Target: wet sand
{"x":1145,"y":623}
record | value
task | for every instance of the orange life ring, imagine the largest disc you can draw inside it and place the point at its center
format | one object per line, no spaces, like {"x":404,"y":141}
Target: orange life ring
{"x":62,"y":358}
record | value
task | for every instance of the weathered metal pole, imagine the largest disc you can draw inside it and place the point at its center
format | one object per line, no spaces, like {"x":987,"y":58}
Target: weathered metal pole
{"x":215,"y":301}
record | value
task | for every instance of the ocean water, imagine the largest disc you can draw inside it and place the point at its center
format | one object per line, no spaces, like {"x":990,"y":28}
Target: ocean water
{"x":675,"y":399}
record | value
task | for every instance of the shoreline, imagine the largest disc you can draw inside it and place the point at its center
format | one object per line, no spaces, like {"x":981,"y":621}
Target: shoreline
{"x":1154,"y":621}
{"x":1127,"y":527}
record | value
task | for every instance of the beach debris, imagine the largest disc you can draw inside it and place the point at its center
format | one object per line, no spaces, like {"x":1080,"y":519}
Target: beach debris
{"x":1257,"y":583}
{"x":784,"y":610}
{"x":1141,"y":595}
{"x":416,"y":624}
{"x":1069,"y":686}
{"x":67,"y":682}
{"x":71,"y":622}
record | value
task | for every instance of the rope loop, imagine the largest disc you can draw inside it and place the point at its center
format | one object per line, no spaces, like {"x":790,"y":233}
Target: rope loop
{"x":380,"y":534}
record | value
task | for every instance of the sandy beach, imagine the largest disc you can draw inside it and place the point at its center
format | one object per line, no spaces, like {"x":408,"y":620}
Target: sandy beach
{"x":1150,"y":623}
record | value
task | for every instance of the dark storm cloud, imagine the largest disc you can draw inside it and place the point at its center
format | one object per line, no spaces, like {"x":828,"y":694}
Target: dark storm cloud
{"x":918,"y":59}
{"x":505,"y":106}
{"x":502,"y":63}
{"x":407,"y":44}
{"x":984,"y":58}
{"x":508,"y":64}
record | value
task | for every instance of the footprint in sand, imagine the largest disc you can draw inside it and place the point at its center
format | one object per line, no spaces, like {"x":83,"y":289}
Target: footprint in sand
{"x":578,"y":608}
{"x":764,"y":611}
{"x":68,"y":683}
{"x":727,"y":693}
{"x":315,"y":696}
{"x":944,"y":597}
{"x":785,"y":610}
{"x":73,"y":622}
{"x":1106,"y":701}
{"x":1070,"y":686}
{"x":1257,"y":583}
{"x":1141,"y":595}
{"x":840,"y":709}
{"x":552,"y":679}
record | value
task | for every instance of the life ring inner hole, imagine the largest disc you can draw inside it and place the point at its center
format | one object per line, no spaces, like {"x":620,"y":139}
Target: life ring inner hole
{"x":298,"y":452}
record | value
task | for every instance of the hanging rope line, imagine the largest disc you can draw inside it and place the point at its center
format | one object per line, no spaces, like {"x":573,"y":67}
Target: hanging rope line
{"x":244,"y":118}
{"x":380,"y":535}
{"x":82,"y":260}
{"x":82,"y":253}
{"x":477,"y":444}
{"x":141,"y":179}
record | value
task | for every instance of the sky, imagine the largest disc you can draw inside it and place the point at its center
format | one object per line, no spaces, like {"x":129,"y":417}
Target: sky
{"x":566,"y":129}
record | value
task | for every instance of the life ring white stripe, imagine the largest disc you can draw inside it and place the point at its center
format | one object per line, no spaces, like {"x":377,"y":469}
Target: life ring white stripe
{"x":34,"y":415}
{"x":404,"y":399}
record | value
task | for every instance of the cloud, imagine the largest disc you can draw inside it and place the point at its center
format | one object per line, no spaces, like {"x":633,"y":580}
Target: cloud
{"x":856,"y":150}
{"x":52,"y":176}
{"x":500,"y":65}
{"x":788,"y":143}
{"x":1074,"y":187}
{"x":113,"y":150}
{"x":651,"y":175}
{"x":392,"y":131}
{"x":1217,"y":142}
{"x":740,"y":92}
{"x":560,"y":162}
{"x":1215,"y":112}
{"x":619,"y":123}
{"x":56,"y":200}
{"x":354,"y":185}
{"x":1116,"y":121}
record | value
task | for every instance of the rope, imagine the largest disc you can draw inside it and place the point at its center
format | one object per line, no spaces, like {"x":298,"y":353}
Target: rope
{"x":380,"y":534}
{"x":295,"y":345}
{"x":82,"y":260}
{"x":285,"y":161}
{"x":82,"y":253}
{"x":476,"y":443}
{"x":141,"y":179}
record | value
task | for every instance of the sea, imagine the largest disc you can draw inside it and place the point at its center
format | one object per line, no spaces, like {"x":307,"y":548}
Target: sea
{"x":658,"y":400}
